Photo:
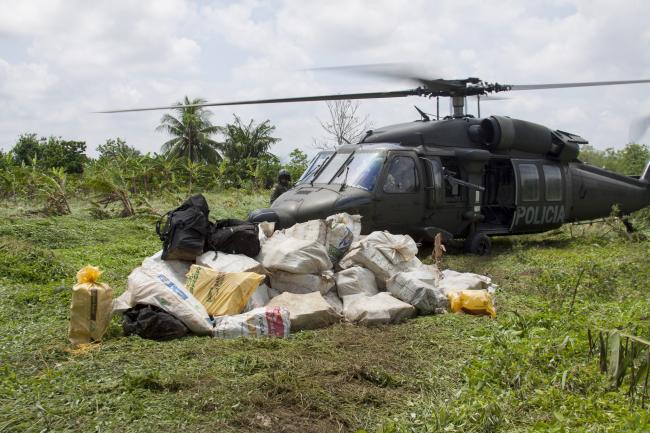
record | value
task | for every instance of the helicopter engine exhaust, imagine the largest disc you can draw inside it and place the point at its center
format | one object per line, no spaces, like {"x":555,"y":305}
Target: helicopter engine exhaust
{"x":505,"y":133}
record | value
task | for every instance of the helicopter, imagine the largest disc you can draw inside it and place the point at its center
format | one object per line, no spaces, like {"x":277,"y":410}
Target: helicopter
{"x":460,"y":176}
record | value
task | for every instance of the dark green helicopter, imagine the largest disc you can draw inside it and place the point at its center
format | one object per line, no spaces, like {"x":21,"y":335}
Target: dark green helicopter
{"x":463,"y":177}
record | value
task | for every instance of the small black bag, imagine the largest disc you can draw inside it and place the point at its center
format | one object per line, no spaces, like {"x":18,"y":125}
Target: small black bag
{"x":234,"y":236}
{"x":185,"y":231}
{"x":153,"y":323}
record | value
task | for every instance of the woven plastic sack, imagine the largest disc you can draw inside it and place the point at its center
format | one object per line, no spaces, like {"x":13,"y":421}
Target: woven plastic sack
{"x":260,"y":322}
{"x":282,"y":253}
{"x":356,"y":280}
{"x":259,"y":298}
{"x":160,"y":287}
{"x":314,"y":230}
{"x":379,"y":309}
{"x":302,"y":283}
{"x":222,"y":293}
{"x":416,"y":288}
{"x":453,"y":281}
{"x":308,"y":311}
{"x":224,"y":262}
{"x":90,"y":307}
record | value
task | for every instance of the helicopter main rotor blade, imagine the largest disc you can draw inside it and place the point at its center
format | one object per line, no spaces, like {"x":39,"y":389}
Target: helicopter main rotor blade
{"x":568,"y":85}
{"x":402,"y":71}
{"x":341,"y":96}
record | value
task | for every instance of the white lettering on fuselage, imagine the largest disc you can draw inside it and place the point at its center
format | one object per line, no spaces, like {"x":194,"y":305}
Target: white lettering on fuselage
{"x":539,"y":215}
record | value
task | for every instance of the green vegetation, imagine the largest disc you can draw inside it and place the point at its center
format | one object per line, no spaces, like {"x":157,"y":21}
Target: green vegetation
{"x":629,"y":160}
{"x":528,"y":370}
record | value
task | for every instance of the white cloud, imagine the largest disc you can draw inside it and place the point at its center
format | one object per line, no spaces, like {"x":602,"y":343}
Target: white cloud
{"x":86,"y":56}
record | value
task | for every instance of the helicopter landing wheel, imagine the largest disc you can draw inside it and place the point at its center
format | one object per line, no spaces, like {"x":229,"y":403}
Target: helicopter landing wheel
{"x":478,"y":243}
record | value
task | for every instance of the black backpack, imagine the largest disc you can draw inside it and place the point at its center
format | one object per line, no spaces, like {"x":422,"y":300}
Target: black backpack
{"x":186,"y":229}
{"x":234,"y":236}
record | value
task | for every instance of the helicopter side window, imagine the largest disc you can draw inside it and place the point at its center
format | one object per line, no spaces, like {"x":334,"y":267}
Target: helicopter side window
{"x":529,"y":176}
{"x":402,"y":176}
{"x":553,"y":182}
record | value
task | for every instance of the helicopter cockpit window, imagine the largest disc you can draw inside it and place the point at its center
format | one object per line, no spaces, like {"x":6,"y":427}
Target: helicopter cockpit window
{"x":361,"y":170}
{"x":332,"y":167}
{"x":314,"y":166}
{"x":402,"y":175}
{"x":553,"y":182}
{"x":529,"y":176}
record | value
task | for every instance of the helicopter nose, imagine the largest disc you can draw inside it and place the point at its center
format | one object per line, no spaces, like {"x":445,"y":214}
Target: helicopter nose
{"x":280,"y":217}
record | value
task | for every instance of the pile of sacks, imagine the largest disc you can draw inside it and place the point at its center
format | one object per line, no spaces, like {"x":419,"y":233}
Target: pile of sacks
{"x":309,"y":276}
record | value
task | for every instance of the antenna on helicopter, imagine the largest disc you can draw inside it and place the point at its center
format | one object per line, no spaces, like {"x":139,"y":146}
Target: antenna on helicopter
{"x":424,"y":115}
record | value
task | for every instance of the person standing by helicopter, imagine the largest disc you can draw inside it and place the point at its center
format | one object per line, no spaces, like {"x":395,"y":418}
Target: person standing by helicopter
{"x":283,"y":185}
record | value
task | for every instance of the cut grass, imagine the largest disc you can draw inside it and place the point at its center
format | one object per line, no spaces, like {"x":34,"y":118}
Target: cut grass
{"x":528,"y":370}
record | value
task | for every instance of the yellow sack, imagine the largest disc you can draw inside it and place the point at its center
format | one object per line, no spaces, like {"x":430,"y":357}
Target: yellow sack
{"x":472,"y":302}
{"x":222,"y":293}
{"x":91,"y":307}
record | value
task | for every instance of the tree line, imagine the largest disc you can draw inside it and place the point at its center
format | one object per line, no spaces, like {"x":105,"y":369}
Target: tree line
{"x":193,"y":159}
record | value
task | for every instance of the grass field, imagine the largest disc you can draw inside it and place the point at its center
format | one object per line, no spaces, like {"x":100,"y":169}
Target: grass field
{"x":528,"y":370}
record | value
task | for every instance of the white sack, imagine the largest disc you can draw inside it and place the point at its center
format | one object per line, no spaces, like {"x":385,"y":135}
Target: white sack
{"x":259,"y":298}
{"x":396,"y":248}
{"x":356,"y":280}
{"x":308,"y":311}
{"x":160,"y":287}
{"x":314,"y":230}
{"x":302,"y":283}
{"x":379,"y":309}
{"x":353,"y":222}
{"x":340,"y":235}
{"x":282,"y":253}
{"x":260,"y":322}
{"x":414,"y":288}
{"x":224,"y":262}
{"x":333,"y":299}
{"x":175,"y":270}
{"x":265,"y":231}
{"x":453,"y":281}
{"x":372,"y":258}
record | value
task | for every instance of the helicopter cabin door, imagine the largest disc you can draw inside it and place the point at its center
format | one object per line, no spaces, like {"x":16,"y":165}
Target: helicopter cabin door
{"x":540,"y":196}
{"x":400,"y":194}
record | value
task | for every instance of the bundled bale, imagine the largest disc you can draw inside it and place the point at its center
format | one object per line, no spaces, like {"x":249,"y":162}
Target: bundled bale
{"x":356,"y":280}
{"x":260,"y":322}
{"x":379,"y":309}
{"x":222,"y":293}
{"x":159,"y":285}
{"x":453,"y":281}
{"x":417,"y":288}
{"x":298,"y":256}
{"x":340,"y":234}
{"x":302,"y":283}
{"x":259,"y":298}
{"x":384,"y":254}
{"x":224,"y":262}
{"x":314,"y":230}
{"x":307,"y":311}
{"x":352,"y":222}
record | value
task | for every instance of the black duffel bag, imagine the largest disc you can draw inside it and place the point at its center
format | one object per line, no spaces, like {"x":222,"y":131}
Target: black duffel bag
{"x":186,"y":229}
{"x":234,"y":236}
{"x":149,"y":321}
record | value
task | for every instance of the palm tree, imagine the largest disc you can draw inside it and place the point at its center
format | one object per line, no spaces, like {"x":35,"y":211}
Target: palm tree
{"x":246,"y":141}
{"x":191,"y":131}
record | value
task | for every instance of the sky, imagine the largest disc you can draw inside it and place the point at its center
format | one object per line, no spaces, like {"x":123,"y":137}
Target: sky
{"x":62,"y":60}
